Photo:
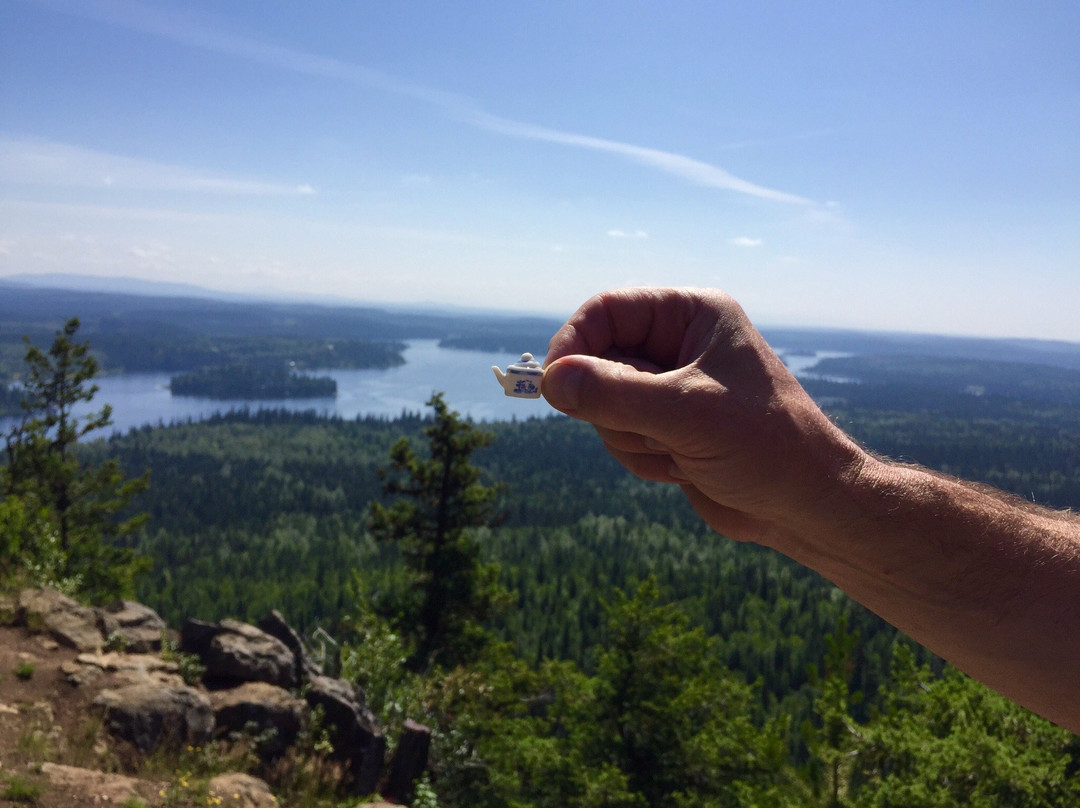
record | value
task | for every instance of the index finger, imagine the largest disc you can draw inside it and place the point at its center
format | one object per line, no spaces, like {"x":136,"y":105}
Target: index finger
{"x":641,"y":323}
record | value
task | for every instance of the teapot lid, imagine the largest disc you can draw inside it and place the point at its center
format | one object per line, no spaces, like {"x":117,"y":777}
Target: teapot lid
{"x":526,"y":361}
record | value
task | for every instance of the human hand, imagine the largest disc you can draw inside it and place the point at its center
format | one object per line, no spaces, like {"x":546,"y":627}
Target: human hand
{"x":683,"y":389}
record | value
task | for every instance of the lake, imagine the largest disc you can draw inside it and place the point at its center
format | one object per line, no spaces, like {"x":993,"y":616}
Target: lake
{"x":464,"y":377}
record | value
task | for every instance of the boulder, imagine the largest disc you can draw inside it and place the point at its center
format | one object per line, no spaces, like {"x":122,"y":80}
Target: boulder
{"x":82,"y":786}
{"x":67,"y":621}
{"x":239,"y":652}
{"x":354,"y":732}
{"x":129,"y":669}
{"x":240,"y":790}
{"x":79,"y":675}
{"x":149,"y":715}
{"x":196,"y":636}
{"x":274,"y":624}
{"x":266,"y":710}
{"x":409,"y":762}
{"x":138,"y":627}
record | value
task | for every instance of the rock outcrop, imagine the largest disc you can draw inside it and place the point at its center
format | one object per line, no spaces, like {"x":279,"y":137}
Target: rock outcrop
{"x":241,"y":790}
{"x":269,"y":712}
{"x":275,"y":625}
{"x":149,"y":714}
{"x":101,"y":787}
{"x":409,"y":762}
{"x":354,"y":732}
{"x":136,"y":628}
{"x":236,"y":652}
{"x":259,"y":681}
{"x":70,"y":623}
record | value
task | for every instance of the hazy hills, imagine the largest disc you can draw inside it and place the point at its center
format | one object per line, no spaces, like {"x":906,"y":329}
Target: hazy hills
{"x":119,"y":309}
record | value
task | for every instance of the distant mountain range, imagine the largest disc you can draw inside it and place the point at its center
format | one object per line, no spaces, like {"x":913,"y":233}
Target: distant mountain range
{"x":145,"y":288}
{"x":38,"y":304}
{"x":32,"y":302}
{"x":118,"y":285}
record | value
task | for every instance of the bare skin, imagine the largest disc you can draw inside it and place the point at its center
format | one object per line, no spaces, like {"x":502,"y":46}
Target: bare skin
{"x":682,"y":389}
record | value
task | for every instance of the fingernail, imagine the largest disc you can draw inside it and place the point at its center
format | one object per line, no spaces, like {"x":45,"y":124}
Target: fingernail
{"x":562,"y":386}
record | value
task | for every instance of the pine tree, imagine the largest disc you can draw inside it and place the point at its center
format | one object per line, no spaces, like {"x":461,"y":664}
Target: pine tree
{"x":831,"y":743}
{"x":671,"y":719}
{"x":43,"y":471}
{"x":440,"y":503}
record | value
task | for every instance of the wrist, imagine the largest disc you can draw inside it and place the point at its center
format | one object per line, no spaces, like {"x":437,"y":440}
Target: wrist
{"x":845,"y":508}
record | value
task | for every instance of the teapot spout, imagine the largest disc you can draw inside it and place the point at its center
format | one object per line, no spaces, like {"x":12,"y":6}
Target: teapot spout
{"x":499,"y":375}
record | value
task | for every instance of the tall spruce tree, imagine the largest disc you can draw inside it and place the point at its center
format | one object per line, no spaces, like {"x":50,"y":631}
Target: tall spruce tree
{"x":44,"y":474}
{"x":440,"y":501}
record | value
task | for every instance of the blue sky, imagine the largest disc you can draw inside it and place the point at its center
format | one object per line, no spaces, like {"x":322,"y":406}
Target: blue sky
{"x":911,"y":167}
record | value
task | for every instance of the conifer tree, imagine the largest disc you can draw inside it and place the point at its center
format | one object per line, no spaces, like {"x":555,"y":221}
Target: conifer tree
{"x":43,"y":471}
{"x":672,"y":721}
{"x":440,"y":501}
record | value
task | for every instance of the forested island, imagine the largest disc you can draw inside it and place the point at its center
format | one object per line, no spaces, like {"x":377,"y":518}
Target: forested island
{"x":252,"y":382}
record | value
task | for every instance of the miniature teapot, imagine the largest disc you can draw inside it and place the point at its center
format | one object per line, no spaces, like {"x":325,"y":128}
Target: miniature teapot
{"x":521,"y":379}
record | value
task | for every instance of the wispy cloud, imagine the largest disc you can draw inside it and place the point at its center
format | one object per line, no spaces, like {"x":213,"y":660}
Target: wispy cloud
{"x":628,"y":233}
{"x":680,"y":165}
{"x":193,"y":31}
{"x":745,"y":241}
{"x":188,"y":30}
{"x":36,"y":162}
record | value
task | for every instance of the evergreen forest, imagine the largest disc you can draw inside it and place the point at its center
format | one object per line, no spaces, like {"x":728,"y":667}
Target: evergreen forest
{"x":587,"y":641}
{"x":254,"y":511}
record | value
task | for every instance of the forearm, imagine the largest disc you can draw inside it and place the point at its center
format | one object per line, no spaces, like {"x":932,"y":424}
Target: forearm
{"x":990,"y":583}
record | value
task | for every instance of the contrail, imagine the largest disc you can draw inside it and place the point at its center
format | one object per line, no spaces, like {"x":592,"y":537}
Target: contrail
{"x":185,"y":30}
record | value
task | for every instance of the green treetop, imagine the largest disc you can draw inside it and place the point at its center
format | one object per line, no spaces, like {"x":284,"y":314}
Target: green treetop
{"x":440,"y":501}
{"x":74,"y":507}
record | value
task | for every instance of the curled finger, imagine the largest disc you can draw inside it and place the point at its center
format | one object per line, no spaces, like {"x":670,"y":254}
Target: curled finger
{"x":629,"y":441}
{"x":653,"y":467}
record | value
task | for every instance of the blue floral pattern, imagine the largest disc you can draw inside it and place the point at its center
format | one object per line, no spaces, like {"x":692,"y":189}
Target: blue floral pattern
{"x":525,"y":387}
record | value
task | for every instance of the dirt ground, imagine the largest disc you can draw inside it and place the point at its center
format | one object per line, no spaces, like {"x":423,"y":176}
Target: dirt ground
{"x":49,"y":735}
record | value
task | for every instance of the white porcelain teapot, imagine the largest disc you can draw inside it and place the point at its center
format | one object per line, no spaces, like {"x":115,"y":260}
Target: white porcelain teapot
{"x":521,"y":379}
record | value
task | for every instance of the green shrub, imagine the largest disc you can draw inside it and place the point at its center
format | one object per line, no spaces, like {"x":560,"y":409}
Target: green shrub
{"x":21,"y":790}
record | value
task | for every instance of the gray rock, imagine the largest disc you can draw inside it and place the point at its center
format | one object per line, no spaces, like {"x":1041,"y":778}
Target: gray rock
{"x":67,"y":621}
{"x":241,"y":790}
{"x":274,"y":624}
{"x":139,"y":627}
{"x":409,"y":762}
{"x":131,"y":669}
{"x":149,"y":715}
{"x":259,"y":707}
{"x":354,"y":731}
{"x":96,"y":787}
{"x":196,"y":636}
{"x":239,"y":652}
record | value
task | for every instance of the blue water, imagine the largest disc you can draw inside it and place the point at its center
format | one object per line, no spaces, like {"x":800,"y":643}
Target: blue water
{"x":464,"y":377}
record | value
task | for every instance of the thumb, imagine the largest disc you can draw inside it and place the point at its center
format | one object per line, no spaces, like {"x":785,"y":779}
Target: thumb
{"x":609,"y":394}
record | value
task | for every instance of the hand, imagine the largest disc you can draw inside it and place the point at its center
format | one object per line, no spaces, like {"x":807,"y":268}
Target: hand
{"x":683,"y":389}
